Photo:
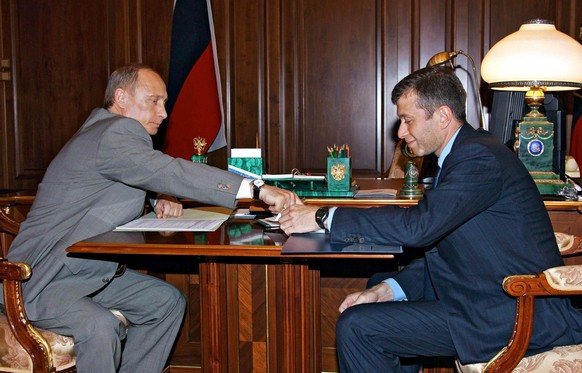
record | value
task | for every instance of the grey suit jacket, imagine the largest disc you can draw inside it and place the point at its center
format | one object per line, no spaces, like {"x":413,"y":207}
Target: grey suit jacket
{"x":97,"y":182}
{"x":486,"y":220}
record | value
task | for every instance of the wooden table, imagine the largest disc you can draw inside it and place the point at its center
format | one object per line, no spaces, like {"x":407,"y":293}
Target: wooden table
{"x":295,"y":327}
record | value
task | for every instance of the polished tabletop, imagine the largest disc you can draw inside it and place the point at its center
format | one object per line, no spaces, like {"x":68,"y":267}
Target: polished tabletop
{"x":234,"y":238}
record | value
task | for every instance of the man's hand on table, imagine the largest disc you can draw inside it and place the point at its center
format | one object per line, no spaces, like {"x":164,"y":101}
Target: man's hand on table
{"x":168,"y":207}
{"x":298,"y":219}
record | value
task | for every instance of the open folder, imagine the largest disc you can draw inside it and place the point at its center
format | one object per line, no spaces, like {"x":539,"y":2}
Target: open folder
{"x":199,"y":219}
{"x":317,"y":243}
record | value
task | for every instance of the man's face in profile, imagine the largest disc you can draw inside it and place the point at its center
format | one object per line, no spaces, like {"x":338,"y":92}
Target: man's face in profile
{"x":420,"y":132}
{"x":147,"y":103}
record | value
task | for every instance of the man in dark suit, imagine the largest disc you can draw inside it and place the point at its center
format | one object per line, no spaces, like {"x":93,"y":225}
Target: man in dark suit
{"x":483,"y":221}
{"x":97,"y":182}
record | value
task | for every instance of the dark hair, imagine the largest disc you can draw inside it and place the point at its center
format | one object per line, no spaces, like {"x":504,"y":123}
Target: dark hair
{"x":124,"y":77}
{"x":434,"y":86}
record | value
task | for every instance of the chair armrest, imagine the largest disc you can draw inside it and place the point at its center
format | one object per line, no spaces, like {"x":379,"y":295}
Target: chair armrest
{"x":7,"y":224}
{"x":569,"y":244}
{"x":565,"y":280}
{"x":12,"y":274}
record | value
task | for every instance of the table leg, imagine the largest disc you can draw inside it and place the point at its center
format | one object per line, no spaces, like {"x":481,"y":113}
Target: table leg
{"x":300,"y":308}
{"x":213,"y":318}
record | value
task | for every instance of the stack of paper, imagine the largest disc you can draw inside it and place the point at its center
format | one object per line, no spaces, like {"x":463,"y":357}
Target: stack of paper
{"x":200,"y":219}
{"x":376,"y":193}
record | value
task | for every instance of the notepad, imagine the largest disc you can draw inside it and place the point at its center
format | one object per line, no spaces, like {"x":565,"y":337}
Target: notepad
{"x":199,"y":219}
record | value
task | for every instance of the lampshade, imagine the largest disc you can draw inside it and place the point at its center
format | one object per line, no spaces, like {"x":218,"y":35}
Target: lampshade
{"x":535,"y":55}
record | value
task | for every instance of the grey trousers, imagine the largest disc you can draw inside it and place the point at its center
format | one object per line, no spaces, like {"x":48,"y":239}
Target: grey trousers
{"x":155,"y":310}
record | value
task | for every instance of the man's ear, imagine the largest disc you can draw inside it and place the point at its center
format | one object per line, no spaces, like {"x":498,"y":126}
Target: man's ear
{"x":444,"y":116}
{"x":120,"y":97}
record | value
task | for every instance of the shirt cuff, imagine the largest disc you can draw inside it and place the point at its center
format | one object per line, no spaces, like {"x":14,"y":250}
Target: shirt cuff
{"x":245,"y":189}
{"x":396,"y":289}
{"x":330,"y":217}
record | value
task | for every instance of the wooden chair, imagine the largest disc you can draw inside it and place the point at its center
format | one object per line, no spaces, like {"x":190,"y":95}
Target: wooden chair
{"x":557,"y":281}
{"x":24,"y":348}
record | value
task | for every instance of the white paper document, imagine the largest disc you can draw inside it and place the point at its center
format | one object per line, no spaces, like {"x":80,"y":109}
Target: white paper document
{"x":199,"y":219}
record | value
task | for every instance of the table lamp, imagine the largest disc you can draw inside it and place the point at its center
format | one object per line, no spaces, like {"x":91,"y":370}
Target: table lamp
{"x":535,"y":59}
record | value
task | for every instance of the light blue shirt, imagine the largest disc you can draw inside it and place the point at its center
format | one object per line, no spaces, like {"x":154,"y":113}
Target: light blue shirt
{"x":399,"y":294}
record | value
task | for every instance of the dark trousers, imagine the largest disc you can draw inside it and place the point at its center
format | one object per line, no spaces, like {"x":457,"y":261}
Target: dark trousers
{"x":391,"y":336}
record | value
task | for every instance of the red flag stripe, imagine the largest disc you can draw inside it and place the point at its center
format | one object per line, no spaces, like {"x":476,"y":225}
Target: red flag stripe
{"x":188,"y":120}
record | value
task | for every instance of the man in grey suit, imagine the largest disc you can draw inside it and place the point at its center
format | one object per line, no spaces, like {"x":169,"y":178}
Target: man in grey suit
{"x":97,"y":182}
{"x":484,"y":220}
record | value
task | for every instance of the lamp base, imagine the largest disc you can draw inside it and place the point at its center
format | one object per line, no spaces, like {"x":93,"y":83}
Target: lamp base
{"x":549,"y":183}
{"x":535,"y":147}
{"x":410,"y":189}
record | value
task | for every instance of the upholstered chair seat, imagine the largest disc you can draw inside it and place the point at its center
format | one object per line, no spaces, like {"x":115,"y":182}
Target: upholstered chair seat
{"x":14,"y":358}
{"x":560,"y":359}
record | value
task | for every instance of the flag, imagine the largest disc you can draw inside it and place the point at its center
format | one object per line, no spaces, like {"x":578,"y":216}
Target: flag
{"x":194,"y":97}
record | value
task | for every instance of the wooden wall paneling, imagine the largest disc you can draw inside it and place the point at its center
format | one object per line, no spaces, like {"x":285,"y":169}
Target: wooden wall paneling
{"x":434,"y":30}
{"x":289,"y":96}
{"x":6,"y":98}
{"x":507,"y":17}
{"x":246,"y":67}
{"x":273,"y":138}
{"x":570,"y":17}
{"x":155,"y":34}
{"x":61,"y":55}
{"x":123,"y":28}
{"x":398,"y":16}
{"x":55,"y":46}
{"x":338,"y":54}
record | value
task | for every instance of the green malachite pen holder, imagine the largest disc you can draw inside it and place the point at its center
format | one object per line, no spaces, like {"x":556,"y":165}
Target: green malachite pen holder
{"x":200,"y":158}
{"x":339,"y":174}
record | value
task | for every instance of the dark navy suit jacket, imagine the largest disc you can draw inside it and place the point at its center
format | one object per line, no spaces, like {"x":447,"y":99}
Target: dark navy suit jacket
{"x":486,"y":220}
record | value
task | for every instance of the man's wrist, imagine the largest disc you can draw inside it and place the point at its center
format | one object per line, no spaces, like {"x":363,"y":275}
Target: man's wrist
{"x":321,"y":216}
{"x":257,"y":186}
